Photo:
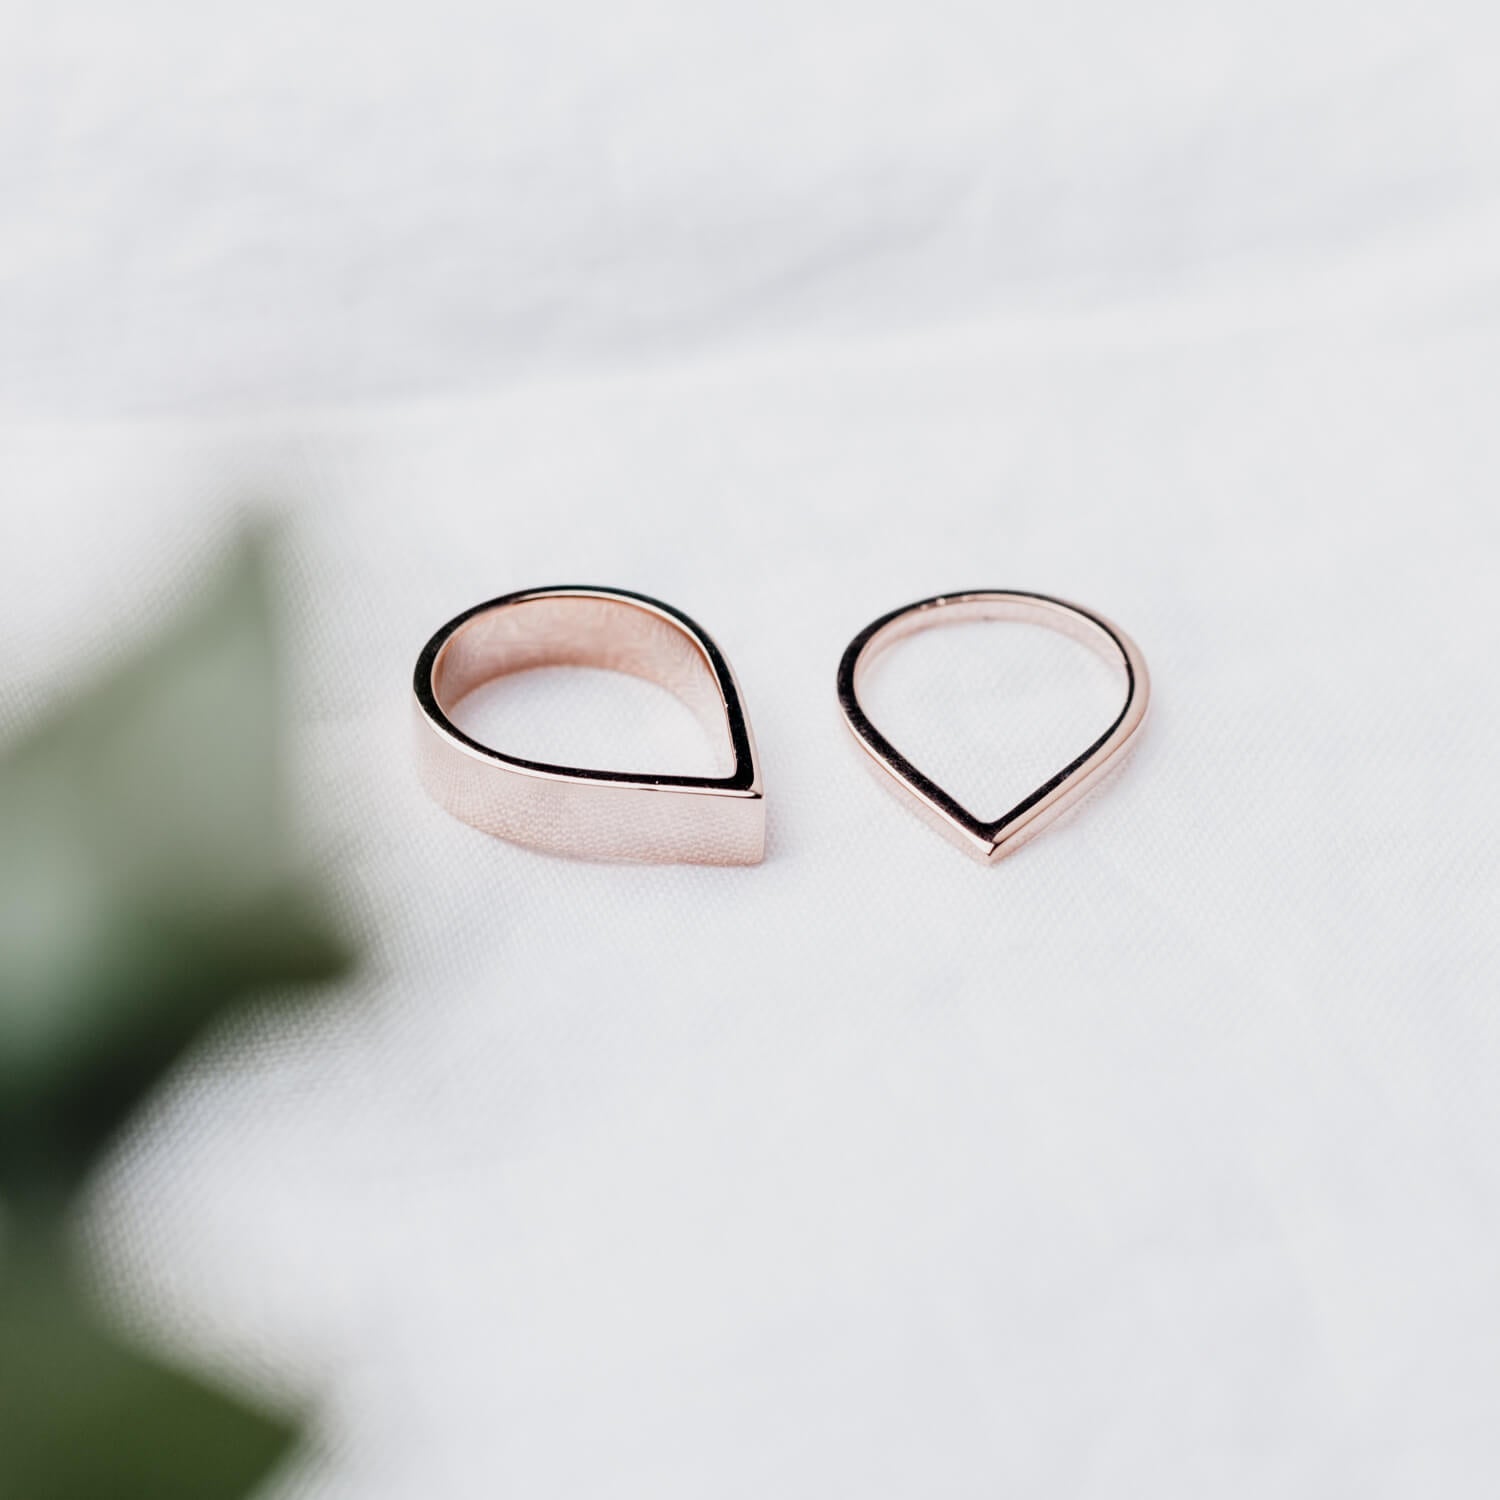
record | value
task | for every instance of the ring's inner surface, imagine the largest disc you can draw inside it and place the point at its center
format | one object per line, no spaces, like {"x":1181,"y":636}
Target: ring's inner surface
{"x":1017,"y":607}
{"x":580,"y":630}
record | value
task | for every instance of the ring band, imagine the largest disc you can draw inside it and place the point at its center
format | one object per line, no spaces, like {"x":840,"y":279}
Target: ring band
{"x":567,"y":809}
{"x":988,"y":840}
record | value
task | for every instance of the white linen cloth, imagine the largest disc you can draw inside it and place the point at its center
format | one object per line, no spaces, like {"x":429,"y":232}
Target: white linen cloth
{"x":1162,"y":1159}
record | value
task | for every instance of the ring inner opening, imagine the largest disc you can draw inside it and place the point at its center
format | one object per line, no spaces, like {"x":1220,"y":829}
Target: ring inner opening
{"x":583,"y":631}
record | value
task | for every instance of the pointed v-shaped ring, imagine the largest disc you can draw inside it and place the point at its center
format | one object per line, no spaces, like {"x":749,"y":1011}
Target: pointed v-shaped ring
{"x":566,"y":809}
{"x":988,"y":841}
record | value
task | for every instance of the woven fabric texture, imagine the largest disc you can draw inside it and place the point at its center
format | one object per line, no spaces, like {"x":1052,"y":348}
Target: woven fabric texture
{"x":1162,"y":1159}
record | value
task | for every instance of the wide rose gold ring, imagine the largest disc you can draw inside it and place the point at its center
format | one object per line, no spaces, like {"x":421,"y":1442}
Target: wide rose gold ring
{"x":566,"y":809}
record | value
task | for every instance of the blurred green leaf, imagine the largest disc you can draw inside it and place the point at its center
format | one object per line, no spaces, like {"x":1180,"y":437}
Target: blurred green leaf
{"x":83,"y":1417}
{"x":147,"y":880}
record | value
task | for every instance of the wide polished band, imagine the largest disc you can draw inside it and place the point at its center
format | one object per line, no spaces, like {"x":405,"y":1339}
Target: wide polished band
{"x":567,"y":809}
{"x":989,"y":840}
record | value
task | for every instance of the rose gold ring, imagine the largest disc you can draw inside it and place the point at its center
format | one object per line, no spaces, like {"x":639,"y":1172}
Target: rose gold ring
{"x":988,"y":841}
{"x":564,"y":809}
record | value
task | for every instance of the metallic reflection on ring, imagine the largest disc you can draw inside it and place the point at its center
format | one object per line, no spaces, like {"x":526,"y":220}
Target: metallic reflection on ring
{"x":566,"y":809}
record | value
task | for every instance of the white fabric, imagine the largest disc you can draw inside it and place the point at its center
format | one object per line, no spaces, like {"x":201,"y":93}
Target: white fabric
{"x":1159,"y":1160}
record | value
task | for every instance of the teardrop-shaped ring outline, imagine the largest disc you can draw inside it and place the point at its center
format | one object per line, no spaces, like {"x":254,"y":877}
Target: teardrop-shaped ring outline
{"x":593,"y":814}
{"x":988,"y":841}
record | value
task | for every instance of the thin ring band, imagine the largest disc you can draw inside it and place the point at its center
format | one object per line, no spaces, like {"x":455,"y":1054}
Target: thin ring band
{"x":989,"y":840}
{"x":568,"y":809}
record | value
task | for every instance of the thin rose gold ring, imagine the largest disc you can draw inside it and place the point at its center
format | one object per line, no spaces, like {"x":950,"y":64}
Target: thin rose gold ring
{"x":989,"y":840}
{"x":565,"y":809}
